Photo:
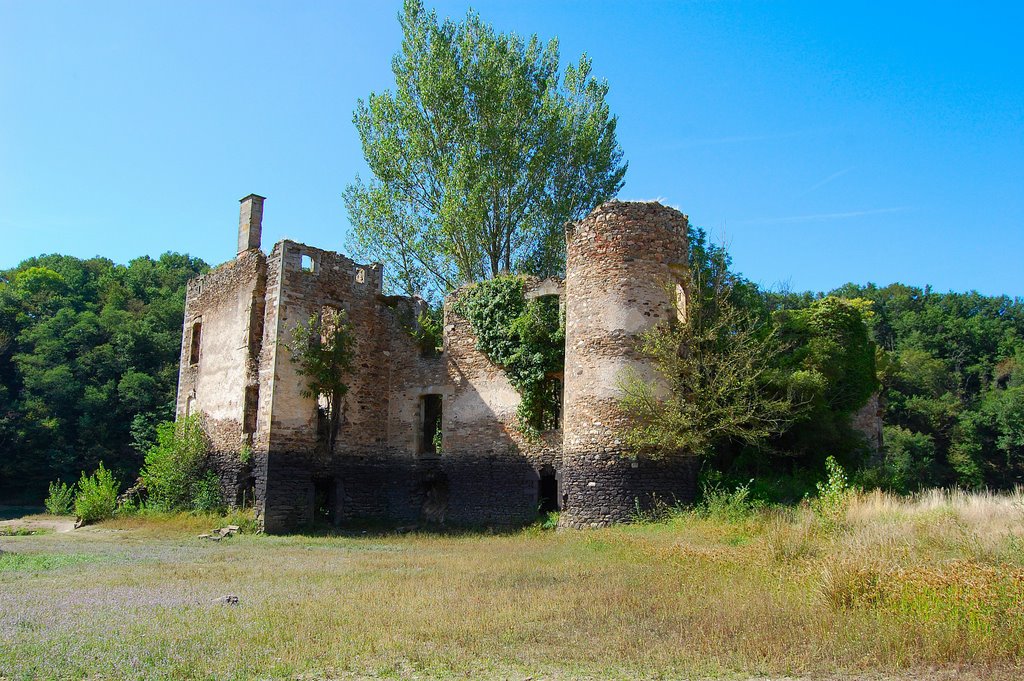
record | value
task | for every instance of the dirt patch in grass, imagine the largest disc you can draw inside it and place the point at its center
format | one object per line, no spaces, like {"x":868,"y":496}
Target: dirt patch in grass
{"x":36,"y":524}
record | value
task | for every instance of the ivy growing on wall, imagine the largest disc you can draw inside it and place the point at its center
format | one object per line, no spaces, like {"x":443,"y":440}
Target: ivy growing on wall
{"x":524,"y":337}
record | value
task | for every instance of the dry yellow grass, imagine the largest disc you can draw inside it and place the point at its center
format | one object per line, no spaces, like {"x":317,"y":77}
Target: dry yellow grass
{"x":922,"y":587}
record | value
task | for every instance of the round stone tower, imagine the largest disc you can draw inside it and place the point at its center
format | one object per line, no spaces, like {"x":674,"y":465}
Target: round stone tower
{"x":622,"y":264}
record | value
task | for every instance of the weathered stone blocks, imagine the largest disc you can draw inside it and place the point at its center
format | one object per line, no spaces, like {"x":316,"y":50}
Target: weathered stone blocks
{"x":267,"y":436}
{"x":622,"y":269}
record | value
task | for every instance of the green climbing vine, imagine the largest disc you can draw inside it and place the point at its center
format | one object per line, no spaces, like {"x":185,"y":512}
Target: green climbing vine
{"x":524,"y":337}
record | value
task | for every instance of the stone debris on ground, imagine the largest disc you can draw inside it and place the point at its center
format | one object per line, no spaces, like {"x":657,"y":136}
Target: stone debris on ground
{"x":221,"y":533}
{"x":133,"y":494}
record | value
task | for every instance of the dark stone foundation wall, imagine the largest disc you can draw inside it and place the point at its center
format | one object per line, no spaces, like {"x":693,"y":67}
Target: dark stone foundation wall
{"x":460,"y":491}
{"x":607,"y":487}
{"x":241,"y":482}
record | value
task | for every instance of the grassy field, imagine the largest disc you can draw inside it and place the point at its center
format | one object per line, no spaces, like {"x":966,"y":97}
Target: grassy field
{"x":931,"y":587}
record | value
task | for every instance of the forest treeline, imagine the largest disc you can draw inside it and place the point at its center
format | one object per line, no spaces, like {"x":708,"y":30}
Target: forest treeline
{"x":88,"y":365}
{"x":948,"y":368}
{"x":89,"y":355}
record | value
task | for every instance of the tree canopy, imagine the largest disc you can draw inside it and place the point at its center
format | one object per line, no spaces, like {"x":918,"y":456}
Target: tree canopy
{"x":88,"y":363}
{"x":479,"y":156}
{"x":951,"y":367}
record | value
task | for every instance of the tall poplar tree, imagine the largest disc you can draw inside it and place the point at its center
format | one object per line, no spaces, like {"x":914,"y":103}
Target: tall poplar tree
{"x":479,"y":156}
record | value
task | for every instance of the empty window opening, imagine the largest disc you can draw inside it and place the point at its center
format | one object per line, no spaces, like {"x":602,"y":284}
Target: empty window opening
{"x":323,"y":419}
{"x":190,"y":405}
{"x":247,"y":493}
{"x":547,"y":491}
{"x":551,"y":309}
{"x":432,"y":436}
{"x":250,"y":408}
{"x":197,"y":339}
{"x":435,"y":491}
{"x":308,"y":263}
{"x":324,"y":494}
{"x":680,"y":272}
{"x":681,"y":303}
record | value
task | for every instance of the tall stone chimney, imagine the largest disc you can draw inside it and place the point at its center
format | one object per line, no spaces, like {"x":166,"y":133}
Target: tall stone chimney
{"x":250,"y":223}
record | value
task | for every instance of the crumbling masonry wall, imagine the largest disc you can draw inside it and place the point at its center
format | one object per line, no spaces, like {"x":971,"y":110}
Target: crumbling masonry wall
{"x":268,"y":440}
{"x":221,"y":344}
{"x":623,"y":262}
{"x":250,"y":395}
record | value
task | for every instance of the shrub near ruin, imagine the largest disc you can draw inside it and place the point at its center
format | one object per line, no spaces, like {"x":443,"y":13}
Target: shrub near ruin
{"x":175,"y":472}
{"x":97,"y":496}
{"x":61,"y":499}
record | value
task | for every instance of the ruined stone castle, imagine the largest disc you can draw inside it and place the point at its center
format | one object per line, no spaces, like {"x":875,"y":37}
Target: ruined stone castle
{"x":267,"y":440}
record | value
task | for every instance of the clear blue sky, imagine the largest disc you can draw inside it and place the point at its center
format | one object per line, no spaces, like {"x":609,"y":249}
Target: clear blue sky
{"x":823,"y":142}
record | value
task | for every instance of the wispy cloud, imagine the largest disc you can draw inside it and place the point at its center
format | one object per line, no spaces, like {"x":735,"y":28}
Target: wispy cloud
{"x":822,"y":217}
{"x":822,"y":183}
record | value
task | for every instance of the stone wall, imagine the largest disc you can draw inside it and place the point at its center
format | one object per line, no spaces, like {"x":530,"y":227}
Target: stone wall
{"x":487,"y":473}
{"x":305,"y":281}
{"x":498,"y":468}
{"x":623,"y":262}
{"x":224,"y":310}
{"x":620,"y":258}
{"x":605,"y":486}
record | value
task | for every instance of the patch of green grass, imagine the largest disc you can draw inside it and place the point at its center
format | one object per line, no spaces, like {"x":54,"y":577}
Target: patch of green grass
{"x":22,"y":531}
{"x":41,"y":562}
{"x":153,"y":523}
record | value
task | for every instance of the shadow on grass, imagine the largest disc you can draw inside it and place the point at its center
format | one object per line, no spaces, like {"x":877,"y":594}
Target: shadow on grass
{"x":15,"y":512}
{"x":375,"y":528}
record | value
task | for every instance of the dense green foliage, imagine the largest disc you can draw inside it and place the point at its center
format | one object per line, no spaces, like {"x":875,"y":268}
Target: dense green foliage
{"x":88,"y":364}
{"x":526,"y":338}
{"x":762,"y":392}
{"x":717,"y":373}
{"x":175,"y":475}
{"x":831,"y":367}
{"x":96,"y":498}
{"x":479,"y":156}
{"x":952,"y":374}
{"x":61,"y":498}
{"x":322,"y":350}
{"x":949,"y":368}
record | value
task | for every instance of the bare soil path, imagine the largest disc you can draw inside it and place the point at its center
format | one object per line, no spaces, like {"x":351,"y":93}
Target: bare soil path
{"x":36,"y":523}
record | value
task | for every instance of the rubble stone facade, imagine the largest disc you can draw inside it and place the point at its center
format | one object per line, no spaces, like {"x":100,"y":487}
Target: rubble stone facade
{"x":267,"y":439}
{"x":622,"y":267}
